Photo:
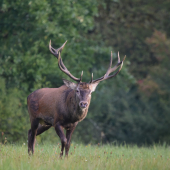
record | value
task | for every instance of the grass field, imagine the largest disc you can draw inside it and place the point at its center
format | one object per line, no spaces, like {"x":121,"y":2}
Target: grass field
{"x":81,"y":157}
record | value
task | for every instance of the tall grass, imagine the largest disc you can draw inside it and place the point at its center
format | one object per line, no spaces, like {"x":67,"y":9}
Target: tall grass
{"x":81,"y":157}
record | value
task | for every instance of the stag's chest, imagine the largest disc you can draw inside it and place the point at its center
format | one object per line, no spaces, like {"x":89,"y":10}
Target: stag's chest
{"x":79,"y":115}
{"x":74,"y":116}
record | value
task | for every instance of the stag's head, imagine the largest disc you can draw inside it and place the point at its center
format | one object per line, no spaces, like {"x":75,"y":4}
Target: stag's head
{"x":83,"y":90}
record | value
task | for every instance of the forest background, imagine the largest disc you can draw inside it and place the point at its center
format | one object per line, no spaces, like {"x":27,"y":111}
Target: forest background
{"x":133,"y":107}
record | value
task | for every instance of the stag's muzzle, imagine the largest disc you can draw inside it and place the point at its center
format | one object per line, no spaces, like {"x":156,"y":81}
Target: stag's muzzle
{"x":83,"y":104}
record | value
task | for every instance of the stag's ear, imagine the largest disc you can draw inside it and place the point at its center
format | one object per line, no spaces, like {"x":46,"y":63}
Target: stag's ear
{"x":93,"y":86}
{"x":70,"y":84}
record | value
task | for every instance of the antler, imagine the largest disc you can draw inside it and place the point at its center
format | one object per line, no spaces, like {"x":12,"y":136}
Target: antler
{"x":110,"y":70}
{"x":56,"y":53}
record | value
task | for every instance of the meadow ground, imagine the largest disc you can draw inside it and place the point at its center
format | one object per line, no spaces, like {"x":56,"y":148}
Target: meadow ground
{"x":82,"y":157}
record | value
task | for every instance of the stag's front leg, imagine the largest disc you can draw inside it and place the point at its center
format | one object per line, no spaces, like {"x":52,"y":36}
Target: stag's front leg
{"x":60,"y":132}
{"x":69,"y":133}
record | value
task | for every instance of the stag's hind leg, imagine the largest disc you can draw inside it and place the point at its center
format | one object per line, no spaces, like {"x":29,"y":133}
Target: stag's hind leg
{"x":31,"y":135}
{"x":42,"y":129}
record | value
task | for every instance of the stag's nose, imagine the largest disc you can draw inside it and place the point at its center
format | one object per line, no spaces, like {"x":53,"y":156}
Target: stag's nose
{"x":83,"y":104}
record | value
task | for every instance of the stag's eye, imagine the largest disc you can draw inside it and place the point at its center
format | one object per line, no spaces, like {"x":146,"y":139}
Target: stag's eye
{"x":77,"y":91}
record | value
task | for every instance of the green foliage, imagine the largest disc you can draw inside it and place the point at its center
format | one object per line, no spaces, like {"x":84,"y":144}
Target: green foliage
{"x":125,"y":25}
{"x":139,"y":29}
{"x":13,"y":118}
{"x":132,"y":107}
{"x":26,"y":63}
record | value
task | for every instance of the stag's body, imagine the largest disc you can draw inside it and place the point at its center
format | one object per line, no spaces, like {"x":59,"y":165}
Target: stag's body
{"x":53,"y":105}
{"x":62,"y":107}
{"x":56,"y":107}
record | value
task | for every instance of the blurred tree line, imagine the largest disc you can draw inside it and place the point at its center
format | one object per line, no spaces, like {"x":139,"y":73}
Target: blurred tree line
{"x":132,"y":107}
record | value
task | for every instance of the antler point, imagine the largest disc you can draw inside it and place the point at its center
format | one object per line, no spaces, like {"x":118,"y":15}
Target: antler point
{"x":118,"y":57}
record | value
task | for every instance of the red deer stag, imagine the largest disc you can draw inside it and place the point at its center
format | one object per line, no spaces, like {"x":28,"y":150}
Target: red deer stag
{"x":62,"y":107}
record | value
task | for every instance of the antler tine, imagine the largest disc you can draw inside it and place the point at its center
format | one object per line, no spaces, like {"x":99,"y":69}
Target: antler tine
{"x":118,"y":57}
{"x":81,"y":76}
{"x":110,"y":65}
{"x":65,"y":70}
{"x":55,"y":52}
{"x":91,"y":78}
{"x":110,"y":70}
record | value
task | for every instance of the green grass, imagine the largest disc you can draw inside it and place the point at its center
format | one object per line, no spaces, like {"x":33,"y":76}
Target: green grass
{"x":81,"y":157}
